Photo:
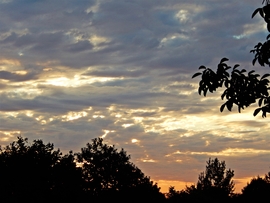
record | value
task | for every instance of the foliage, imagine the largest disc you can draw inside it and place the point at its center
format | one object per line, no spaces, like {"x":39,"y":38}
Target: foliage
{"x":174,"y":196}
{"x":216,"y":178}
{"x":241,"y":89}
{"x":37,"y":171}
{"x":214,"y":185}
{"x":42,"y":174}
{"x":257,"y":190}
{"x":107,"y":172}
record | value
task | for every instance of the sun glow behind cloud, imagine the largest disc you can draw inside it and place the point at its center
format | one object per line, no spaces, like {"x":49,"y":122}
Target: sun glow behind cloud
{"x":227,"y":152}
{"x":74,"y":115}
{"x":76,"y":81}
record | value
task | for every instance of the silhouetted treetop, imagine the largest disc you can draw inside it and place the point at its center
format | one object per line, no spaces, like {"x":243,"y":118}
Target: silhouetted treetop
{"x":106,"y":169}
{"x":215,"y":184}
{"x":216,"y":176}
{"x":257,"y":190}
{"x":99,"y":173}
{"x":38,"y":171}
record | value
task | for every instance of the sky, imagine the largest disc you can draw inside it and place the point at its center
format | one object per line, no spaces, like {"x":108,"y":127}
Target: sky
{"x":71,"y":71}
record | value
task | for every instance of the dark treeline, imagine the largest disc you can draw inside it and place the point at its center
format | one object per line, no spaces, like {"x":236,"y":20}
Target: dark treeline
{"x":100,"y":173}
{"x":215,"y":184}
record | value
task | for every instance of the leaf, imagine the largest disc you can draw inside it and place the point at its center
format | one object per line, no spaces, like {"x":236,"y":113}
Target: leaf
{"x":228,"y":67}
{"x":229,"y":105}
{"x":250,"y":72}
{"x":265,"y":75}
{"x":226,"y":83}
{"x":256,"y":11}
{"x":256,"y":111}
{"x":204,"y":92}
{"x":243,"y":70}
{"x":196,"y":74}
{"x":239,"y":109}
{"x":260,"y":101}
{"x":258,"y":45}
{"x":222,"y":107}
{"x":237,"y":71}
{"x":266,"y":81}
{"x":264,"y":114}
{"x":254,"y":61}
{"x":235,"y":66}
{"x":223,"y":60}
{"x":261,"y":13}
{"x":200,"y":90}
{"x":202,"y":67}
{"x":227,"y":74}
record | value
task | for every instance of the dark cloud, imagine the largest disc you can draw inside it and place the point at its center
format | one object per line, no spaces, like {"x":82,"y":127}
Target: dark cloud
{"x":17,"y":77}
{"x":80,"y":46}
{"x":109,"y":72}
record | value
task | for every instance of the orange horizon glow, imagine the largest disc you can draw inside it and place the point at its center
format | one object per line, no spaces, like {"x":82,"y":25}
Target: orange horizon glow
{"x":181,"y":185}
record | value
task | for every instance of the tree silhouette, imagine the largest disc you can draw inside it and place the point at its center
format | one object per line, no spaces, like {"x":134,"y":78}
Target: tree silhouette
{"x":108,"y":174}
{"x":37,"y":172}
{"x":216,"y":177}
{"x":241,"y":89}
{"x":99,"y":173}
{"x":174,"y":196}
{"x":257,"y":190}
{"x":214,"y":185}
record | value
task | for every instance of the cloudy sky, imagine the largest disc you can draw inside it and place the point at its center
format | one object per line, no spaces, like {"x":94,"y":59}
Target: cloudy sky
{"x":71,"y":71}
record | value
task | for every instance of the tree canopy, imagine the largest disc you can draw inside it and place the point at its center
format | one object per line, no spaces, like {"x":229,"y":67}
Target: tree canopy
{"x":108,"y":172}
{"x":241,"y":88}
{"x":98,"y":173}
{"x":257,"y":189}
{"x":216,"y":177}
{"x":38,"y":172}
{"x":215,"y":184}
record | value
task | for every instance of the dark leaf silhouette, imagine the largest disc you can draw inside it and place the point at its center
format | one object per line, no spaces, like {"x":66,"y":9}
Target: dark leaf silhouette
{"x":256,"y":111}
{"x":196,"y":74}
{"x":202,"y":67}
{"x":222,"y":107}
{"x":223,"y":60}
{"x":241,"y":89}
{"x":256,"y":11}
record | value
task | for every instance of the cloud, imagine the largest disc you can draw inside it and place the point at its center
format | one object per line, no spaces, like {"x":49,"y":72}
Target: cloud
{"x":71,"y":71}
{"x":17,"y":76}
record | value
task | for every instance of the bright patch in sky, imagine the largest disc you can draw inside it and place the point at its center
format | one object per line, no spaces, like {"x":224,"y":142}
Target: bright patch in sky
{"x":74,"y":115}
{"x":127,"y":125}
{"x":183,"y":16}
{"x":134,"y":140}
{"x":76,"y":81}
{"x":239,"y":36}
